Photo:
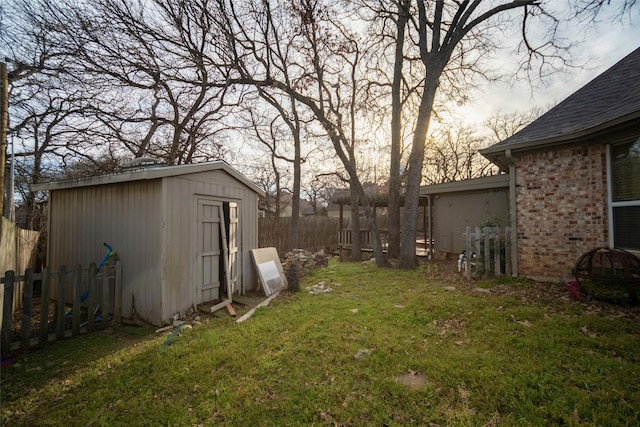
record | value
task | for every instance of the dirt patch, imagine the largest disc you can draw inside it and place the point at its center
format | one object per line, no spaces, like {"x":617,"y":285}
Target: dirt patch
{"x":18,"y":316}
{"x":445,"y":273}
{"x":413,"y":380}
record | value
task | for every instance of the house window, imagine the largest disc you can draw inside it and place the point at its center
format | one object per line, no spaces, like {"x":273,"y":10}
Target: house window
{"x":624,"y":195}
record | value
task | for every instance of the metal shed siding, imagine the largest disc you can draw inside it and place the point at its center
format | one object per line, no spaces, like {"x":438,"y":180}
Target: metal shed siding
{"x":125,"y":215}
{"x":453,"y":212}
{"x":179,"y":257}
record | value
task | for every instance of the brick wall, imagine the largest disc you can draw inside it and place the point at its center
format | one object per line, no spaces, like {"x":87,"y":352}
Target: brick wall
{"x":561,"y":209}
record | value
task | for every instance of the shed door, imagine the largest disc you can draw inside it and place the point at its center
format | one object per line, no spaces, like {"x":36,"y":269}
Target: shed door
{"x":209,"y":250}
{"x":231,"y":213}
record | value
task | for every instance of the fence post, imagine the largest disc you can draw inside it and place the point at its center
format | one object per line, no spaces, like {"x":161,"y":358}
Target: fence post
{"x":497,"y":252}
{"x":468,"y":249}
{"x":27,"y":309}
{"x":117,"y":309}
{"x":106,"y":293}
{"x":487,"y":250}
{"x":7,"y":307}
{"x":60,"y":306}
{"x":77,"y":307}
{"x":92,"y":298}
{"x":44,"y":307}
{"x":478,"y":245}
{"x":507,"y":250}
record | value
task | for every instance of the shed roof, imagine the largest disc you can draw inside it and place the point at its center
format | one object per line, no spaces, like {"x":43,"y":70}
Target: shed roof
{"x":610,"y":99}
{"x":149,"y":173}
{"x":474,"y":184}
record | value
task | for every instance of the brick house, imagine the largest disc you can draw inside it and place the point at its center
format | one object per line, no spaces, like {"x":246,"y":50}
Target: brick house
{"x":575,"y":175}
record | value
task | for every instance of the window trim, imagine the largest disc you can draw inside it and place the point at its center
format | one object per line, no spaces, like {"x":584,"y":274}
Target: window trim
{"x":610,"y":203}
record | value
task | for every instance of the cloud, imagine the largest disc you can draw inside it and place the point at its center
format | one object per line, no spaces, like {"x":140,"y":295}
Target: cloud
{"x":601,"y":47}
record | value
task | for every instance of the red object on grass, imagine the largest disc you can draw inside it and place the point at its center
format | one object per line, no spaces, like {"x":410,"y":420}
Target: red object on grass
{"x":574,"y":289}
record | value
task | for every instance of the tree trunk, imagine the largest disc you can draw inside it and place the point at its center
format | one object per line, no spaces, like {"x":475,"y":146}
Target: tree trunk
{"x":356,"y":242}
{"x":414,"y":176}
{"x":295,"y":203}
{"x":396,"y":133}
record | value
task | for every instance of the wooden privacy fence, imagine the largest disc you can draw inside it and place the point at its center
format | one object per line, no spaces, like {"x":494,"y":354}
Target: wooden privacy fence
{"x":314,"y":233}
{"x":56,"y":305}
{"x":18,"y":248}
{"x":488,"y":251}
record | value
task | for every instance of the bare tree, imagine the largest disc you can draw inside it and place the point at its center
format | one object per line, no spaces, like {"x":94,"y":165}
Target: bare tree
{"x":271,"y":178}
{"x":591,"y":10}
{"x":46,"y":121}
{"x":148,"y":71}
{"x":287,"y":109}
{"x":321,"y":189}
{"x":322,"y":76}
{"x":452,"y":155}
{"x":503,"y":125}
{"x":452,"y":149}
{"x":452,"y":37}
{"x":396,"y":129}
{"x":272,"y":138}
{"x":165,"y":77}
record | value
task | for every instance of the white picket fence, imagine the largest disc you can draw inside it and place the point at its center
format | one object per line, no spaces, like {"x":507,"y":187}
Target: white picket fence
{"x":488,"y":252}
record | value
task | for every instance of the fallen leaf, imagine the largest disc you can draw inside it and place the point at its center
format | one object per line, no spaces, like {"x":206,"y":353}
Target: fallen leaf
{"x":521,"y":322}
{"x":361,"y":353}
{"x":575,"y":417}
{"x":325,"y":416}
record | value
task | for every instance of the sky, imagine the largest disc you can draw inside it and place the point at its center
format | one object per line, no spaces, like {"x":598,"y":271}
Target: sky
{"x":601,"y":47}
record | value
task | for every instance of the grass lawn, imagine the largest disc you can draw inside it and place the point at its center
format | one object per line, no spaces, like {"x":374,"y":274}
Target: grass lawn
{"x":385,"y":347}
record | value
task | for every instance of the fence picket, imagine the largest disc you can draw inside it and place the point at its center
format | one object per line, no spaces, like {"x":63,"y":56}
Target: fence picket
{"x":496,"y":252}
{"x":478,"y":246}
{"x":104,"y":305}
{"x":92,"y":298}
{"x":507,"y":251}
{"x":468,"y":249}
{"x":104,"y":297}
{"x":7,"y":309}
{"x":483,"y":241}
{"x":117,"y":307}
{"x":77,"y":298}
{"x":60,"y":307}
{"x":487,"y":250}
{"x":44,"y":305}
{"x":27,"y":304}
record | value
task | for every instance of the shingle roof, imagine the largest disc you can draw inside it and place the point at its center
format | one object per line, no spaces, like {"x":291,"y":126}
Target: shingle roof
{"x":610,"y":98}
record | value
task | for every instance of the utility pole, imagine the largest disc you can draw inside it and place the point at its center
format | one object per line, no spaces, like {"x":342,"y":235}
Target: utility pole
{"x":4,"y":122}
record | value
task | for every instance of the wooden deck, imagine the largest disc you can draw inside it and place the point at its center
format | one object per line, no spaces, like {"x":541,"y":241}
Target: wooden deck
{"x":366,"y":250}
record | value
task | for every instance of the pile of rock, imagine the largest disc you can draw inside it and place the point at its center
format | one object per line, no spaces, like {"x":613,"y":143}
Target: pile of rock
{"x":320,"y":288}
{"x":298,"y":263}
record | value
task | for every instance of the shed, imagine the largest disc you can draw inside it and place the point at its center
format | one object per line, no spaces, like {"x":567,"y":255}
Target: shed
{"x":170,"y":226}
{"x":447,"y":209}
{"x":456,"y":205}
